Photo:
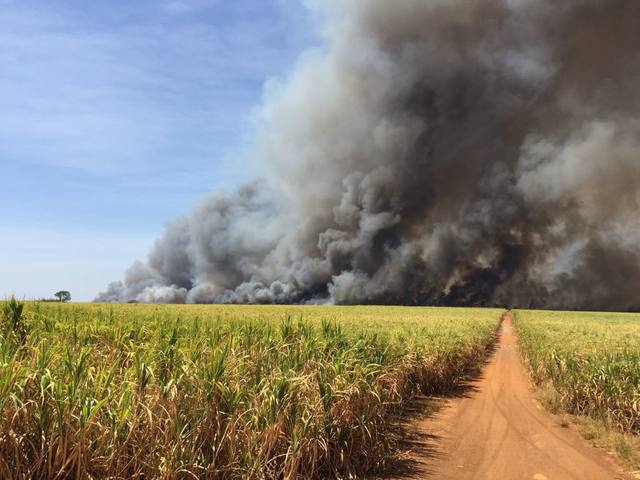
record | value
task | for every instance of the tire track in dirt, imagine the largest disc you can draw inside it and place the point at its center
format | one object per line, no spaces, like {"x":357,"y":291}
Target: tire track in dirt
{"x":498,"y":431}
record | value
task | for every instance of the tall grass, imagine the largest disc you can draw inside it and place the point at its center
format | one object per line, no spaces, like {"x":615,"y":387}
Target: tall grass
{"x":591,"y":359}
{"x":12,"y":321}
{"x":136,"y":391}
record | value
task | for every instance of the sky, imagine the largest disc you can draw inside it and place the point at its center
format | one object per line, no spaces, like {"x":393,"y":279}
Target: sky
{"x":117,"y":116}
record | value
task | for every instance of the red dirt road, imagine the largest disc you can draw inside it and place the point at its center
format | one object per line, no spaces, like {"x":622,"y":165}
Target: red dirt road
{"x":497,"y":431}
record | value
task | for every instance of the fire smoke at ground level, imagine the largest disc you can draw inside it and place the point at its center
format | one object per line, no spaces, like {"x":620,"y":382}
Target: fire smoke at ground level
{"x":460,"y":152}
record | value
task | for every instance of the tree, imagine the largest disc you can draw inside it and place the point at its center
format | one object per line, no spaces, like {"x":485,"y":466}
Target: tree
{"x":63,"y":296}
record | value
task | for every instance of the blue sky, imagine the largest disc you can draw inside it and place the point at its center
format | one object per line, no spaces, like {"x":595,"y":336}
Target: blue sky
{"x":116,"y":116}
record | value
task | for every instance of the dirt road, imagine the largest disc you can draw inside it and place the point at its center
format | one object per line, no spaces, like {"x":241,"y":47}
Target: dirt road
{"x":497,"y":431}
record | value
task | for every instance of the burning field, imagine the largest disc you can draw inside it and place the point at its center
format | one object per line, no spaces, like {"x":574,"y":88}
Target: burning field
{"x":437,"y":152}
{"x":426,"y":154}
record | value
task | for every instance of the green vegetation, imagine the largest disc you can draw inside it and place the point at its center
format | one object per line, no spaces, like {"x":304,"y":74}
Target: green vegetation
{"x":591,"y":360}
{"x":138,"y":391}
{"x":13,"y":325}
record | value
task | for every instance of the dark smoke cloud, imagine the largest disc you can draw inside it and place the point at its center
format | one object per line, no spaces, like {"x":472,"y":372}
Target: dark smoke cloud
{"x":461,"y":152}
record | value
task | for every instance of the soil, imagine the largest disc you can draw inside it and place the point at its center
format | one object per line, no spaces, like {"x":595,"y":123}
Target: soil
{"x":496,"y":430}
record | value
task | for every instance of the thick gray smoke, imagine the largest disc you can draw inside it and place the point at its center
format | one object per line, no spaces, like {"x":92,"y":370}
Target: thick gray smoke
{"x":462,"y":152}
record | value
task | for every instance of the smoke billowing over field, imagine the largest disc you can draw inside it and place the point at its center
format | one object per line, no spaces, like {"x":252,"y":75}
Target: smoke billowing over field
{"x":471,"y":152}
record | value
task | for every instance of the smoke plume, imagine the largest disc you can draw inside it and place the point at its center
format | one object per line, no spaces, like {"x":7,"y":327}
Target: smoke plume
{"x":446,"y":152}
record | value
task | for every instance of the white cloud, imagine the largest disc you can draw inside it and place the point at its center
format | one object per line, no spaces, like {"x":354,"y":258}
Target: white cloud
{"x":187,"y":6}
{"x":114,"y":98}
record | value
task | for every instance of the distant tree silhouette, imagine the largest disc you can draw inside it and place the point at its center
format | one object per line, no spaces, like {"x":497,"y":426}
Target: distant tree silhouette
{"x":63,"y":296}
